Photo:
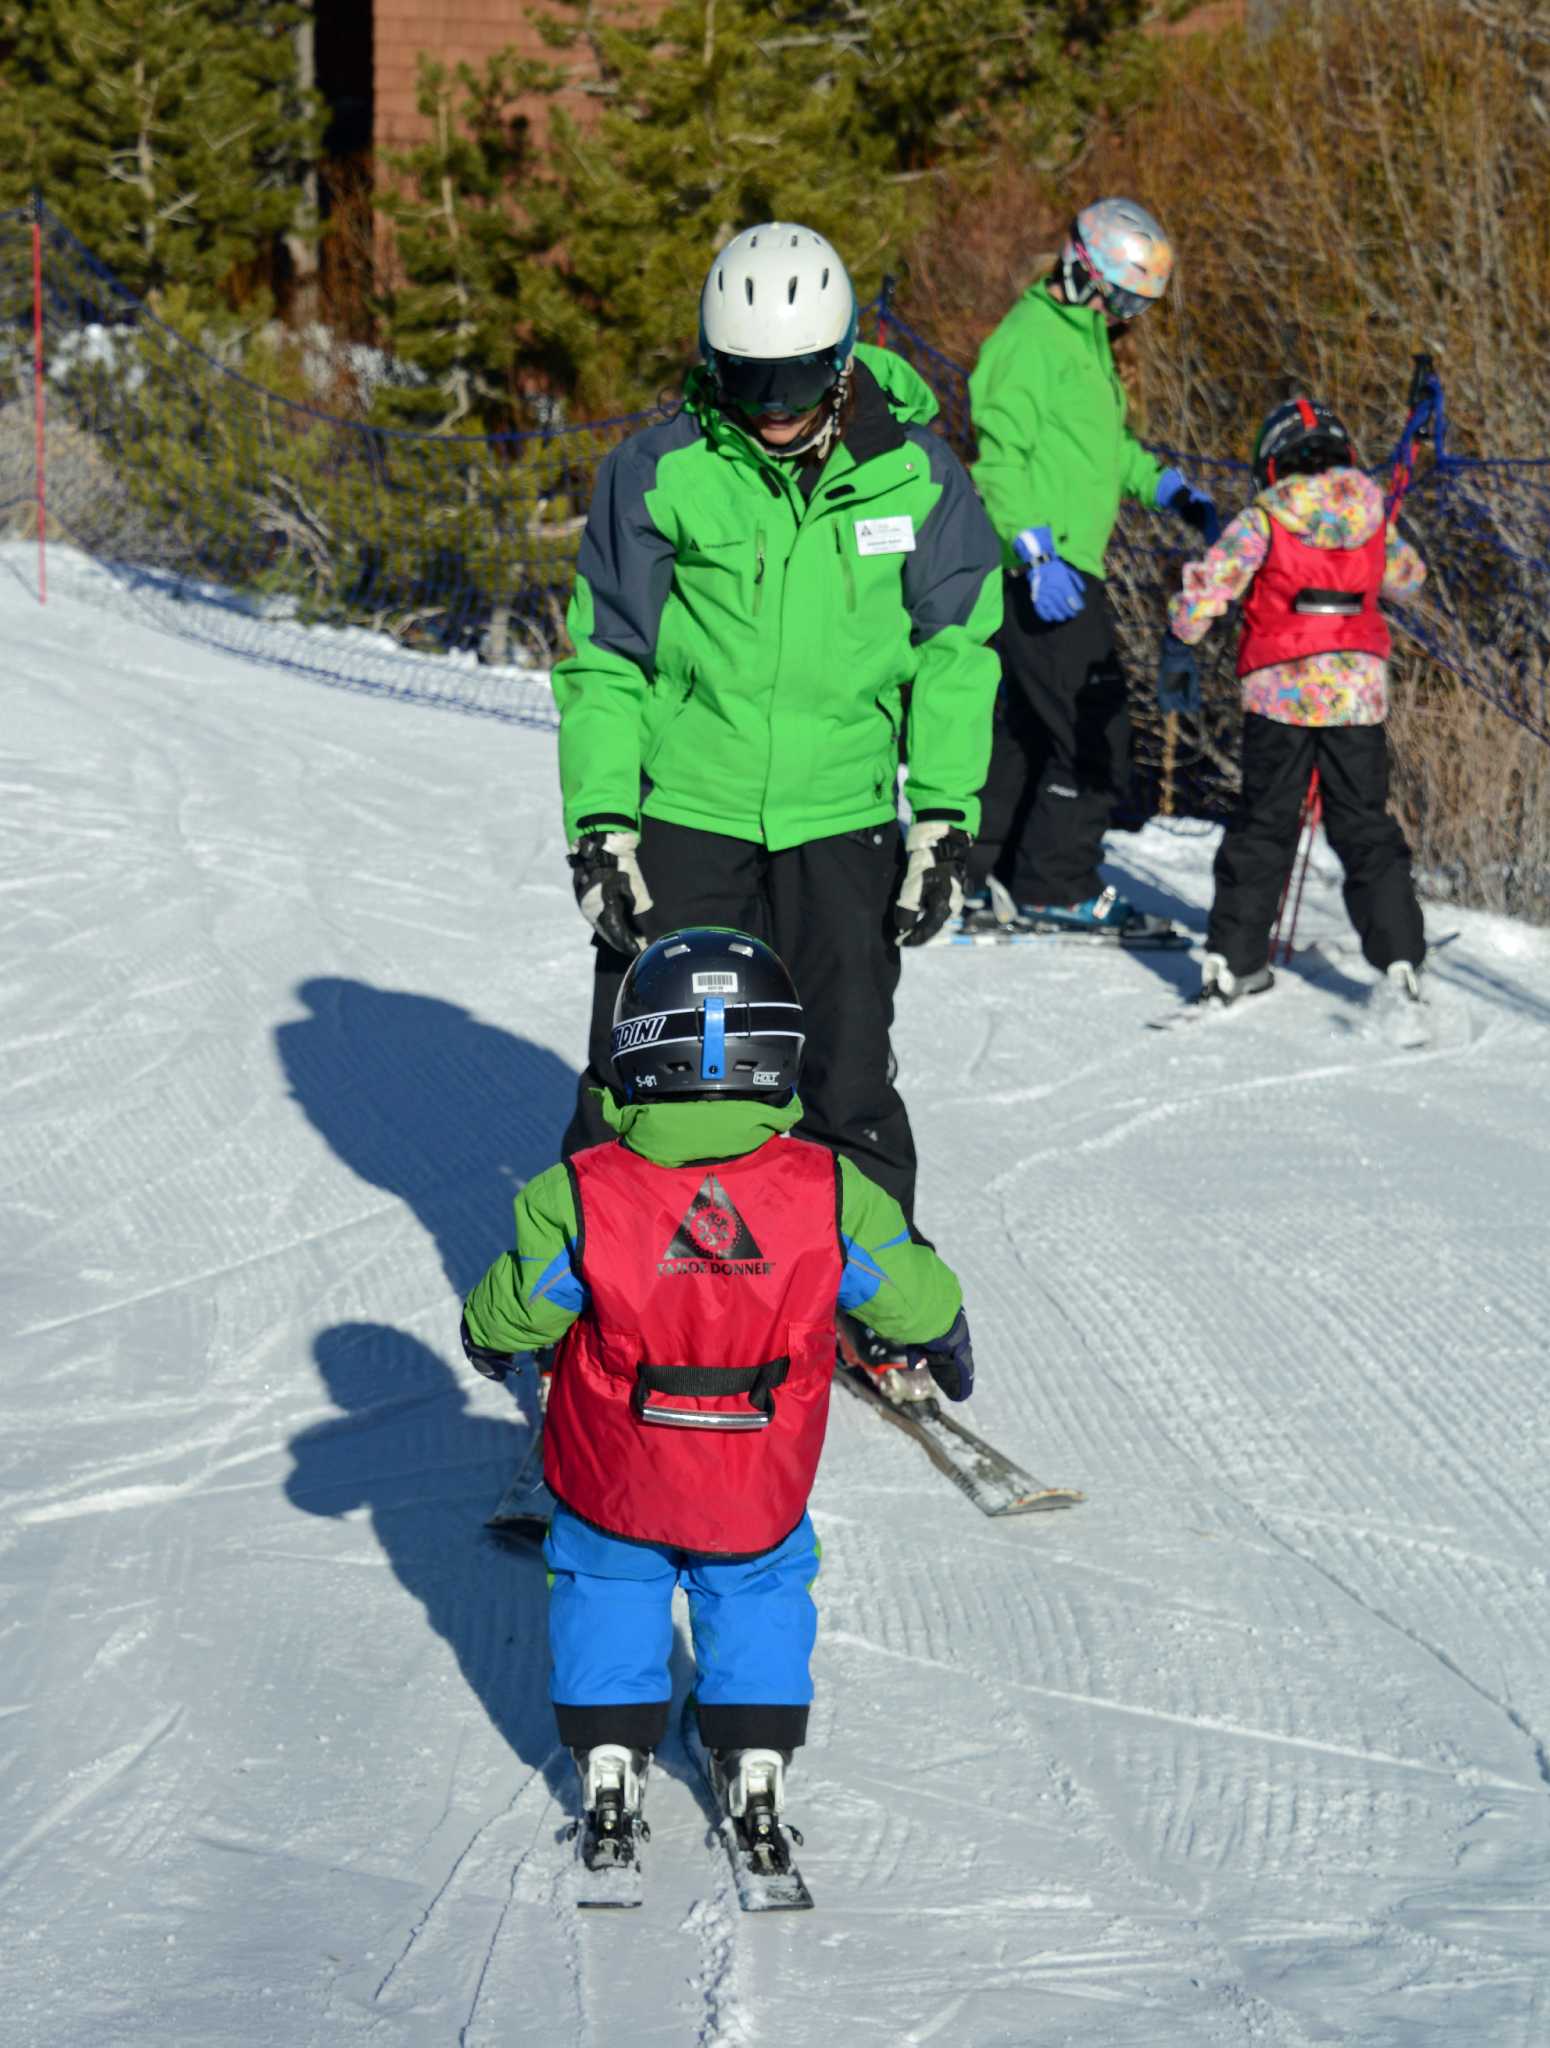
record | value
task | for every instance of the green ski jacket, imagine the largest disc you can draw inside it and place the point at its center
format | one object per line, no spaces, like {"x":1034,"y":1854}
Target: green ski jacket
{"x":1049,"y":415}
{"x":532,"y":1294}
{"x":742,"y":650}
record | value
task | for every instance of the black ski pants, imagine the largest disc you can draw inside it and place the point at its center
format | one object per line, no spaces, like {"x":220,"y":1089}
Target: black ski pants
{"x":1060,"y":755}
{"x":826,"y":908}
{"x":1259,"y":847}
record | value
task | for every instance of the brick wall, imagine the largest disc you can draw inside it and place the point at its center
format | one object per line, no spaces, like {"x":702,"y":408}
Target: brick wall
{"x":456,"y":31}
{"x":472,"y":30}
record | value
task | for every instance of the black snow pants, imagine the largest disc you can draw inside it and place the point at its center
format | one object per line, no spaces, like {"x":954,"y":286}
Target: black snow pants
{"x":1259,"y":846}
{"x":826,"y":908}
{"x":1060,"y":756}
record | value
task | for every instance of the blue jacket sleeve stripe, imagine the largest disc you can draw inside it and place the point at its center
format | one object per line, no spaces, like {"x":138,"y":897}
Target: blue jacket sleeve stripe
{"x":861,"y":1277}
{"x":558,"y":1281}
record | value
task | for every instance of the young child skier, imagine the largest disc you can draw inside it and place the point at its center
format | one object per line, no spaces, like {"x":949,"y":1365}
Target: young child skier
{"x":1310,"y":557}
{"x":689,"y":1272}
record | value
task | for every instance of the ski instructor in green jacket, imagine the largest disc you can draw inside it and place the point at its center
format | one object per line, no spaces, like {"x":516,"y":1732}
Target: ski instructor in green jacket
{"x":1055,"y":458}
{"x":782,"y":591}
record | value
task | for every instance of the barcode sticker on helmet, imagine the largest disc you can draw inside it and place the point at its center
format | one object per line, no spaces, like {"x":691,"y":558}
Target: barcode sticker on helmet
{"x":714,"y":982}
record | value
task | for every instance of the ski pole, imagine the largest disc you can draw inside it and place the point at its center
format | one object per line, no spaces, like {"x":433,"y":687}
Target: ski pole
{"x":1307,"y":826}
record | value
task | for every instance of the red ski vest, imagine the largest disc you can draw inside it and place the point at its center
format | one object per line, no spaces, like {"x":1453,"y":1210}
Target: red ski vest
{"x":691,"y":1395}
{"x":1307,"y":600}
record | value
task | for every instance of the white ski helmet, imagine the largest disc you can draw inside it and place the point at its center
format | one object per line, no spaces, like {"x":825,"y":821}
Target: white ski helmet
{"x":777,"y":319}
{"x":1117,"y":250}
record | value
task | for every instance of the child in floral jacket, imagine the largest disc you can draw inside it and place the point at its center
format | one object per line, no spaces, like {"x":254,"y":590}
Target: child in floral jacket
{"x":1309,"y":558}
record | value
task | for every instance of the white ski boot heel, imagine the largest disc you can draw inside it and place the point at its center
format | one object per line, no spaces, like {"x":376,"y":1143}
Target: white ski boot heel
{"x":1219,"y":984}
{"x":1405,"y":980}
{"x":752,"y":1777}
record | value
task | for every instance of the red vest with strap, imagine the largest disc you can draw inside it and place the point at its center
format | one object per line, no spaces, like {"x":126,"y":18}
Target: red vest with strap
{"x":1307,"y":600}
{"x":691,"y":1395}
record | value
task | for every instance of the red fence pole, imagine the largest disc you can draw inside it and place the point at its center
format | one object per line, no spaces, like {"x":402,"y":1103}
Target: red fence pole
{"x":37,"y":392}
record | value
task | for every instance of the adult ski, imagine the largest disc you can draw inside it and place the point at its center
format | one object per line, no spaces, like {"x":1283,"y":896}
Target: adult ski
{"x":1160,"y":937}
{"x":758,"y":1847}
{"x":991,"y":1480}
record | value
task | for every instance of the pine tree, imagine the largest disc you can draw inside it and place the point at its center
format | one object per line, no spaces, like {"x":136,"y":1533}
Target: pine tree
{"x":172,"y":136}
{"x":470,"y":309}
{"x":721,"y":113}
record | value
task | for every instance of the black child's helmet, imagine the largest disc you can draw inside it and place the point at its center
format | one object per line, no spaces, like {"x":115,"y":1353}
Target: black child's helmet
{"x":706,"y":1012}
{"x":1300,"y":438}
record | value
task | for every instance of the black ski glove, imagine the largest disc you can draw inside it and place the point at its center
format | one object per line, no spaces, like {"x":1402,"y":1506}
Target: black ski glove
{"x":493,"y":1364}
{"x":610,"y":887}
{"x":949,"y":1360}
{"x":934,"y":878}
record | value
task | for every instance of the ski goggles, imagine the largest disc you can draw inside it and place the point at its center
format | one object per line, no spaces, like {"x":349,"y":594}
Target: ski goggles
{"x":792,"y":385}
{"x":1116,"y":301}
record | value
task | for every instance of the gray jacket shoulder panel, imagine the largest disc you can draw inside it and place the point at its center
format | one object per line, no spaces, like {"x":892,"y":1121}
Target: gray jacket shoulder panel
{"x":626,"y":562}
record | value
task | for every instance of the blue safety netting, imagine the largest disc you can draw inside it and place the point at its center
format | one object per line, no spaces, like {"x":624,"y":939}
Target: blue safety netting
{"x":439,"y":565}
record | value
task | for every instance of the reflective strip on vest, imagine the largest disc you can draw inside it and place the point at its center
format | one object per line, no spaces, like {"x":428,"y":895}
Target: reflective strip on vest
{"x":1276,"y":630}
{"x":694,"y":1272}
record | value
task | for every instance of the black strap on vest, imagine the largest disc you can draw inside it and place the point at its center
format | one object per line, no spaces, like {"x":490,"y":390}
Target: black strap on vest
{"x":758,"y":1382}
{"x":1338,"y":604}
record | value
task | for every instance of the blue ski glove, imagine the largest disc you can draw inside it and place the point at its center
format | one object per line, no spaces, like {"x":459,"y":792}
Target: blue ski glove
{"x":493,"y":1364}
{"x":1055,"y":585}
{"x":1178,"y":676}
{"x":1192,"y":506}
{"x":949,"y":1360}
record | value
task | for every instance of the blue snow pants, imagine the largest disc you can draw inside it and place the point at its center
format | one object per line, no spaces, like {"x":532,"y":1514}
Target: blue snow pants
{"x":611,"y":1635}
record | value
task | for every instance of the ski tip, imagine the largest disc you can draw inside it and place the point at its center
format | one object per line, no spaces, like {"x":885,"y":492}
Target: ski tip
{"x":1042,"y":1503}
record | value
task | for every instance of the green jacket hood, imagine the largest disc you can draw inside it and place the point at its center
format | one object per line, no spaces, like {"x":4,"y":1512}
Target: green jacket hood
{"x":674,"y":1133}
{"x":910,"y":396}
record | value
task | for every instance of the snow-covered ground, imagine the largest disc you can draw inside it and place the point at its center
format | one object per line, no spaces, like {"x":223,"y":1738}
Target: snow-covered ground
{"x":1252,"y":1748}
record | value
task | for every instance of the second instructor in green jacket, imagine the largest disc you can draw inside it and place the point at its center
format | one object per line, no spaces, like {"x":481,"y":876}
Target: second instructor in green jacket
{"x":781,"y":591}
{"x":1055,"y":459}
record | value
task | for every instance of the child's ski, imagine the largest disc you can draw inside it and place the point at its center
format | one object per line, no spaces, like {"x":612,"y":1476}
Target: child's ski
{"x":991,"y":1480}
{"x":758,"y":1847}
{"x":1202,"y":1010}
{"x":526,"y":1506}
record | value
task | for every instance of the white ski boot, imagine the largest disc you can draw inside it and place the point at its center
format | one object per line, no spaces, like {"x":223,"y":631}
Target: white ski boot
{"x":751,"y":1787}
{"x":613,"y":1781}
{"x":1219,"y":984}
{"x":1403,"y":1012}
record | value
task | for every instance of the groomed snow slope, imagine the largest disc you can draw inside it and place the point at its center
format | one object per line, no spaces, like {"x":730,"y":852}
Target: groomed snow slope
{"x":1252,"y":1748}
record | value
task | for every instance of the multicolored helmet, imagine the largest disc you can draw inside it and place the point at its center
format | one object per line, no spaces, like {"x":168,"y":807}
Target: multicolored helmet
{"x":1300,"y":438}
{"x":1119,"y":254}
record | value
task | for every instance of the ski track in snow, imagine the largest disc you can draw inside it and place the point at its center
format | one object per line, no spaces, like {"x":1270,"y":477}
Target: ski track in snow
{"x":1253,"y":1748}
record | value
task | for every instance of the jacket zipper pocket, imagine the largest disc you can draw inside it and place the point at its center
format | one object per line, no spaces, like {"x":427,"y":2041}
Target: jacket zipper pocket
{"x":758,"y":572}
{"x":845,"y":569}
